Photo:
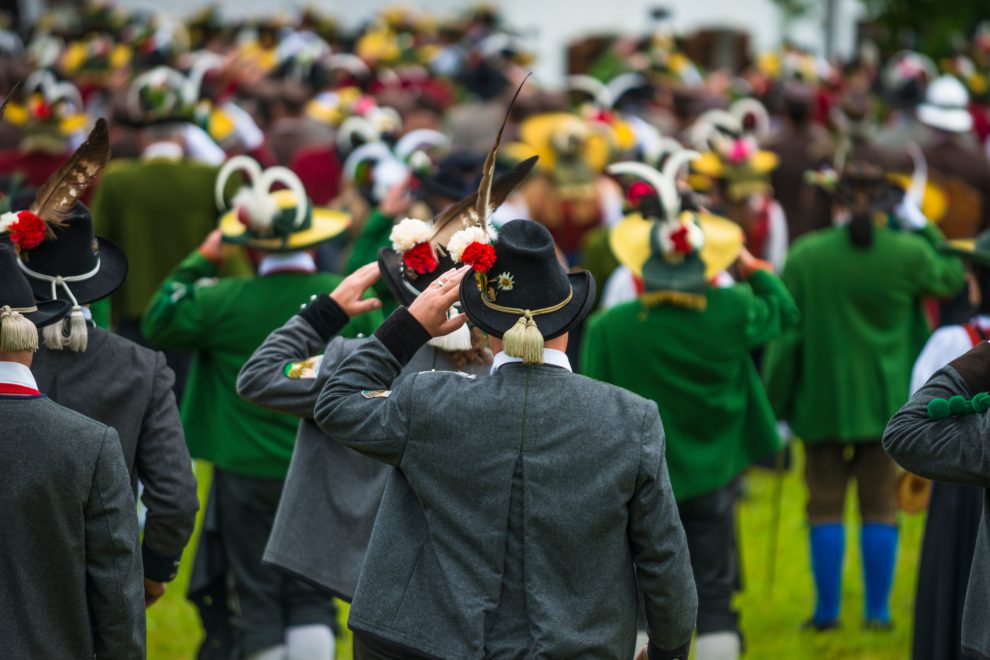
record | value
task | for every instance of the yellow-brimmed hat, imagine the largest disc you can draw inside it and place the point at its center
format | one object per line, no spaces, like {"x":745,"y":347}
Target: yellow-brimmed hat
{"x":542,"y":135}
{"x":630,"y":242}
{"x":273,"y":221}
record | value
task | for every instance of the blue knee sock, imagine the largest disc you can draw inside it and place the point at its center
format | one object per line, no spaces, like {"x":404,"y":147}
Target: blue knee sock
{"x":828,"y":544}
{"x":879,"y":545}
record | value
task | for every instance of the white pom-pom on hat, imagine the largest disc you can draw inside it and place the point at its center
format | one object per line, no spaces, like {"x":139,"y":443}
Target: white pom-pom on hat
{"x":409,"y":233}
{"x":462,"y":239}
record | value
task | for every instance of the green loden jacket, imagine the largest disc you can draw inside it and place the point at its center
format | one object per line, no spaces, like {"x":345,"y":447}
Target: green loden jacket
{"x":696,"y":366}
{"x":224,"y":321}
{"x":846,"y":369}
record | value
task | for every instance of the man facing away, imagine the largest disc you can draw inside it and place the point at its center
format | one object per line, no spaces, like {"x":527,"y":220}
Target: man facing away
{"x":70,"y":564}
{"x":529,"y":508}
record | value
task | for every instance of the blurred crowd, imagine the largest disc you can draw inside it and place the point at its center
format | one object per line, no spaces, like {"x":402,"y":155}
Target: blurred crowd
{"x":844,"y":201}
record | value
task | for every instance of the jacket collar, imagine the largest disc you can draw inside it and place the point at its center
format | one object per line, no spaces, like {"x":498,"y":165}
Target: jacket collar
{"x":550,"y":357}
{"x":17,"y":379}
{"x":293,"y":262}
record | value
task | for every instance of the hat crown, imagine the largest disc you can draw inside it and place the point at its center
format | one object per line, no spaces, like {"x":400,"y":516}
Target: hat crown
{"x":73,"y":250}
{"x":14,"y":289}
{"x":947,"y":92}
{"x":525,"y":251}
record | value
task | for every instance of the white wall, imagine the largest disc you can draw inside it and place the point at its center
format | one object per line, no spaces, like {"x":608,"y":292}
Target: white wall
{"x":555,"y":22}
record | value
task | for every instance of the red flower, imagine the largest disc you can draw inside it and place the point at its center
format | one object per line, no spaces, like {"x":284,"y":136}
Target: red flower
{"x":42,"y":110}
{"x":28,"y":232}
{"x":638,"y":191}
{"x":679,"y":238}
{"x":479,"y":256}
{"x":421,"y":258}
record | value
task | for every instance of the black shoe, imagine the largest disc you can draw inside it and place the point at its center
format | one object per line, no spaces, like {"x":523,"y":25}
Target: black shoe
{"x":817,"y":626}
{"x":878,"y":626}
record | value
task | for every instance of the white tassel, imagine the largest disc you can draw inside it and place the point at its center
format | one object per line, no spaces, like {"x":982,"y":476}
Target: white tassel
{"x":78,"y":339}
{"x":17,"y":332}
{"x":54,"y":335}
{"x":458,"y":340}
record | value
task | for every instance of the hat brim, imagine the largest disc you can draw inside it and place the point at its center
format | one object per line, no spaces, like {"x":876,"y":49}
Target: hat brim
{"x":946,"y":119}
{"x":966,"y":250}
{"x":550,"y":325}
{"x":390,"y":264}
{"x":49,"y":311}
{"x":630,"y":243}
{"x":326,"y":224}
{"x":112,"y":273}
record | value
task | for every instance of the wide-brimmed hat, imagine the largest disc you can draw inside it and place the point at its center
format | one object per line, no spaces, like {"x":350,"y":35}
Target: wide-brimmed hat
{"x":74,"y":264}
{"x":456,"y":175}
{"x":946,"y":106}
{"x":273,"y":221}
{"x":15,"y":292}
{"x":666,"y":245}
{"x":47,"y":106}
{"x":526,"y":283}
{"x":975,"y":251}
{"x":865,"y":184}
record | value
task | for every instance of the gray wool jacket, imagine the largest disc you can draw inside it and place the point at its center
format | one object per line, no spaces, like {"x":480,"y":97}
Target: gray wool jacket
{"x":954,"y":450}
{"x":70,"y":563}
{"x":331,"y":493}
{"x":129,"y":388}
{"x":527,"y":511}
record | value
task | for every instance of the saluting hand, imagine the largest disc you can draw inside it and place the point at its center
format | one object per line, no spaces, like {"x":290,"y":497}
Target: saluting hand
{"x":430,"y":307}
{"x":349,"y":294}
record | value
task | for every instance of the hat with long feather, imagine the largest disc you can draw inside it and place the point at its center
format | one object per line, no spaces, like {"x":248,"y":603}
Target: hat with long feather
{"x":675,"y":251}
{"x":263,"y":218}
{"x":58,"y":252}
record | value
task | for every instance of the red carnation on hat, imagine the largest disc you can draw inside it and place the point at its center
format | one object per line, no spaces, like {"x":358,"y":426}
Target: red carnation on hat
{"x":637,"y":191}
{"x":479,"y":256}
{"x":27,"y":230}
{"x":420,"y":258}
{"x":679,"y":237}
{"x":42,"y":110}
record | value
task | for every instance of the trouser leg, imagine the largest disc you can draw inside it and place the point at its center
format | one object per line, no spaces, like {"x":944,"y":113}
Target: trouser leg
{"x":876,"y":483}
{"x":827,"y":472}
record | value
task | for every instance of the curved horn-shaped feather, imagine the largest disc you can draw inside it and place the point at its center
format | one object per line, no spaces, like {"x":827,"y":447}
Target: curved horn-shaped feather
{"x":669,"y":145}
{"x":392,"y":116}
{"x":284,"y":175}
{"x":417,"y":139}
{"x":350,"y":63}
{"x":205,"y":63}
{"x":919,"y":177}
{"x":235,"y":164}
{"x":366,"y":152}
{"x":42,"y":81}
{"x":593,"y":87}
{"x":709,"y":123}
{"x":356,"y":126}
{"x":664,"y":186}
{"x":751,"y":107}
{"x":622,"y":84}
{"x":676,"y":161}
{"x":66,"y":91}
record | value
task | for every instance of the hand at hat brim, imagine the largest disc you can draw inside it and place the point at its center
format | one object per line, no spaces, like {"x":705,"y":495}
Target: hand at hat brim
{"x":350,"y":294}
{"x":431,"y":306}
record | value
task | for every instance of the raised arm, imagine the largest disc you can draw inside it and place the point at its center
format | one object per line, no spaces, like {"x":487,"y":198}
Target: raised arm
{"x":660,"y":552}
{"x":953,"y":449}
{"x":291,"y":367}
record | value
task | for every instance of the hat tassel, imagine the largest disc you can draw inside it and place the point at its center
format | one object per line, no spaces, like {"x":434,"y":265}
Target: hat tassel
{"x":17,"y":332}
{"x":524,"y":340}
{"x":78,"y":340}
{"x":53,"y":335}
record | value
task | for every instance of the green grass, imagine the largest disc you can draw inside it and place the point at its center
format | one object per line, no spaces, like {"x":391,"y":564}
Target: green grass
{"x":770,"y":618}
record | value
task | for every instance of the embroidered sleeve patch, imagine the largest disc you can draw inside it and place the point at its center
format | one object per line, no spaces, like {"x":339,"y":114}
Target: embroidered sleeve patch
{"x":376,"y":394}
{"x":305,"y":369}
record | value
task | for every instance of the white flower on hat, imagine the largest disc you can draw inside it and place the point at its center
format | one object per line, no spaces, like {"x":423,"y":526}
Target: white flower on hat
{"x":465,"y":237}
{"x":6,"y":220}
{"x":680,"y":238}
{"x":256,"y":210}
{"x":409,"y":233}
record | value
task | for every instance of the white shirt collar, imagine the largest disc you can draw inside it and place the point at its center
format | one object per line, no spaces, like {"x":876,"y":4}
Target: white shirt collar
{"x":293,"y":261}
{"x":163,"y":151}
{"x":15,"y":373}
{"x":550,"y":356}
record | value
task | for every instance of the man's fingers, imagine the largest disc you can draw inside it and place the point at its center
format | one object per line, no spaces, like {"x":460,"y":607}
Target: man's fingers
{"x":368,"y":274}
{"x":362,"y":306}
{"x":451,"y":324}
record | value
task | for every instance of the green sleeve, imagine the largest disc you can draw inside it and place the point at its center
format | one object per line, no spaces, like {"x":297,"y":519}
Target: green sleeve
{"x":940,"y":274}
{"x":179,"y":316}
{"x":770,"y":311}
{"x":782,"y":360}
{"x":373,"y":237}
{"x":594,"y":350}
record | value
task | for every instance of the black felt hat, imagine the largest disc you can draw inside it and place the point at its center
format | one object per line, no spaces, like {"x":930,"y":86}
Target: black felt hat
{"x":865,"y":185}
{"x":456,"y":176}
{"x":527,"y":278}
{"x":90,"y":267}
{"x":403,"y":287}
{"x":16,"y":293}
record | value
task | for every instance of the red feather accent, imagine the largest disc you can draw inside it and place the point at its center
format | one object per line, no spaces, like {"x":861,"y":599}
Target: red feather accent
{"x":479,"y":256}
